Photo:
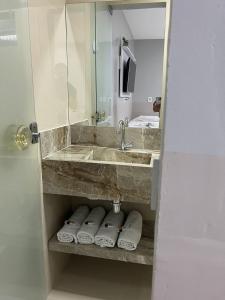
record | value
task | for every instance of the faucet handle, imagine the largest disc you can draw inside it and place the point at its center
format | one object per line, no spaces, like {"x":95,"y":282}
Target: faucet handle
{"x":126,"y":122}
{"x":121,"y":123}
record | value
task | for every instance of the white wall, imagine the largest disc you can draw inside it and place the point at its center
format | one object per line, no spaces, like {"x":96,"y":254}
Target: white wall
{"x":149,"y":56}
{"x":190,"y":241}
{"x":49,"y":62}
{"x":122,"y":108}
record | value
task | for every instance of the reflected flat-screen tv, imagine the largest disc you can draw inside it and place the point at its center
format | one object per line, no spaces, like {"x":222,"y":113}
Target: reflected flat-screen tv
{"x":129,"y":75}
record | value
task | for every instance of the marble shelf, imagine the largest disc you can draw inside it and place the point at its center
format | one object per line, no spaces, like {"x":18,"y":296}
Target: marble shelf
{"x":142,"y":255}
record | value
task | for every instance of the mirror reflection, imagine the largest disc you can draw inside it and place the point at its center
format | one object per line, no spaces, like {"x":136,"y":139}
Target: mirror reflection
{"x":115,"y":64}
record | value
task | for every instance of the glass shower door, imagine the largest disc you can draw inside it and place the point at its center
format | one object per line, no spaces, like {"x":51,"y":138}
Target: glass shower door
{"x":21,"y":245}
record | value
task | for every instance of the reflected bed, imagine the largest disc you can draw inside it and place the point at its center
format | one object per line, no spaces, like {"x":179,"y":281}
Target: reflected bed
{"x":145,"y":121}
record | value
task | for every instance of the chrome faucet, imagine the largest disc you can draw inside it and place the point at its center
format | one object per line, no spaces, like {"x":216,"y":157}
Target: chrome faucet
{"x":123,"y":145}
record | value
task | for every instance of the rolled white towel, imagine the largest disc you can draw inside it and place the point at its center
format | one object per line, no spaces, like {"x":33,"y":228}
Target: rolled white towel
{"x":86,"y":234}
{"x":68,"y":233}
{"x":131,"y":233}
{"x":109,"y":230}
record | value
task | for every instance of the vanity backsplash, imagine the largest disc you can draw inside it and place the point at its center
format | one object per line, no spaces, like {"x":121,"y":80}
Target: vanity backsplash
{"x":141,"y":138}
{"x":57,"y":139}
{"x":54,"y":140}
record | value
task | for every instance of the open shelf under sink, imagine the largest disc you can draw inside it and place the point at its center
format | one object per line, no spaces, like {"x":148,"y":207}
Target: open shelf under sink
{"x":142,"y":255}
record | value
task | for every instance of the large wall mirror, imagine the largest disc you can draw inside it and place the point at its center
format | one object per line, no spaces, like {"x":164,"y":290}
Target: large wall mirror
{"x":116,"y":63}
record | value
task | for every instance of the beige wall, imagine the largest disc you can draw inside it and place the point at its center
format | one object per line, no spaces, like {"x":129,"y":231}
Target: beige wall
{"x":80,"y":30}
{"x":49,"y":62}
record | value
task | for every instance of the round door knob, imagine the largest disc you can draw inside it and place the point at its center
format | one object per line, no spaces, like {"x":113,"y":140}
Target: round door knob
{"x":23,"y":137}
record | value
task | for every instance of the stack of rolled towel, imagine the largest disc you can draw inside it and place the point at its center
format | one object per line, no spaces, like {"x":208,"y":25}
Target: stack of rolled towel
{"x":89,"y":228}
{"x":68,"y":233}
{"x":109,"y":230}
{"x":105,"y":230}
{"x":130,"y":236}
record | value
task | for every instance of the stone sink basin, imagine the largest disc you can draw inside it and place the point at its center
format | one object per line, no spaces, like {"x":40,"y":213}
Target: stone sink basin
{"x":95,"y":153}
{"x":97,"y":172}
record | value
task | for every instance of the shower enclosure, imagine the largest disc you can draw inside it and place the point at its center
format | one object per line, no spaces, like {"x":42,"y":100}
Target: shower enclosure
{"x":21,"y":243}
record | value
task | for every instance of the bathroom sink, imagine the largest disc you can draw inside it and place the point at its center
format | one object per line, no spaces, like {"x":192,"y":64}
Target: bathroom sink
{"x":95,"y":172}
{"x":103,"y":154}
{"x":114,"y":155}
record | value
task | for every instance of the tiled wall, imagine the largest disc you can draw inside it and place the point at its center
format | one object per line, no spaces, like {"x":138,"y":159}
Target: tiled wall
{"x":54,"y":140}
{"x":142,"y":138}
{"x":58,"y":138}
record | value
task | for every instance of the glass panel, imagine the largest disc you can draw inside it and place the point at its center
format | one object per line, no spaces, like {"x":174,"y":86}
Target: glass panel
{"x":104,"y":73}
{"x":21,"y":245}
{"x":80,"y":19}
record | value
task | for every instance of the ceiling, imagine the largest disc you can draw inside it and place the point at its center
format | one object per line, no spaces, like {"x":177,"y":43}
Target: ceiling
{"x":146,"y":23}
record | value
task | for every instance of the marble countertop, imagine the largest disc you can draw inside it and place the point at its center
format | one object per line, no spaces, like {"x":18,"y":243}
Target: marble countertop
{"x":95,"y":172}
{"x":105,"y":155}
